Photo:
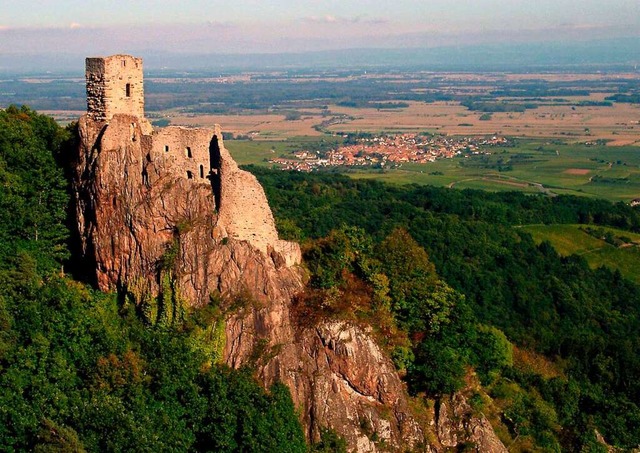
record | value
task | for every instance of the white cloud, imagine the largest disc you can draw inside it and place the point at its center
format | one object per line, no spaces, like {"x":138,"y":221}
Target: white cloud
{"x":321,"y":19}
{"x":331,"y":19}
{"x":571,"y":26}
{"x":74,"y":25}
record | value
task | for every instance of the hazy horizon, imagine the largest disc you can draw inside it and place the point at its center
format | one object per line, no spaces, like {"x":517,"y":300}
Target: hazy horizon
{"x":622,"y":54}
{"x":56,"y":34}
{"x":250,"y":26}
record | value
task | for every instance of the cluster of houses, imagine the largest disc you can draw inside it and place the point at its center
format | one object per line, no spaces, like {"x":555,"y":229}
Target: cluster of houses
{"x":387,"y":151}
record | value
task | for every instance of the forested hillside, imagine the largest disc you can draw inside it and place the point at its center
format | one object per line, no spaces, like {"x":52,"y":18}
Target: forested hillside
{"x":573,"y":366}
{"x":80,"y":370}
{"x":448,"y":281}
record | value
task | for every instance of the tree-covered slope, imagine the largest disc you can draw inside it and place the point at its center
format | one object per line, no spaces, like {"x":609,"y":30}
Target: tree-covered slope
{"x":80,"y":370}
{"x":445,"y":277}
{"x":585,"y":321}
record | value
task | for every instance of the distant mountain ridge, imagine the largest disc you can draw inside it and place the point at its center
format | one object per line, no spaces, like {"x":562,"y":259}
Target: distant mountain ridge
{"x":602,"y":54}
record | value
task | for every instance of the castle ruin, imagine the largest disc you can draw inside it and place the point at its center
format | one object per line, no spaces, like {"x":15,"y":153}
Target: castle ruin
{"x":114,"y":85}
{"x":166,"y":217}
{"x":151,"y":163}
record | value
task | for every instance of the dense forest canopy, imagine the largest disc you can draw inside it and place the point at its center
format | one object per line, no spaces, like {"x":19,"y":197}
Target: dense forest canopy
{"x":80,"y":370}
{"x":446,"y":277}
{"x":498,"y":283}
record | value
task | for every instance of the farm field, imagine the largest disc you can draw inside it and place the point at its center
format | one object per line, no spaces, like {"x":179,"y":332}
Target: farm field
{"x":574,"y":240}
{"x":536,"y":166}
{"x":619,"y":124}
{"x":258,"y":126}
{"x":568,"y":133}
{"x":282,"y":104}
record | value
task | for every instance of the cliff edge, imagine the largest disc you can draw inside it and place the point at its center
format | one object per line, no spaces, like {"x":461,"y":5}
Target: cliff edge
{"x":167,"y":218}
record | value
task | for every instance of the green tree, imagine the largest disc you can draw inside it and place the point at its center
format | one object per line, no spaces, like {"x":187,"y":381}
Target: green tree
{"x":493,"y":353}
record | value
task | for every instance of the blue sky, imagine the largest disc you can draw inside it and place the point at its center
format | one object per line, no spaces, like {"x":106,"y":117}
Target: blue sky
{"x":246,"y":26}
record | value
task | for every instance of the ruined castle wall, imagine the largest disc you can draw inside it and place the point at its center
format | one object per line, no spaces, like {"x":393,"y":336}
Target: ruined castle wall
{"x":183,"y":152}
{"x":96,"y":98}
{"x":114,"y":85}
{"x":196,"y":156}
{"x":244,"y":210}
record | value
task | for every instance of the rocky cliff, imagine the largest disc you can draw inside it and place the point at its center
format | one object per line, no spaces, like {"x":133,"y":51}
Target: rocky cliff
{"x":167,"y":219}
{"x":457,"y":425}
{"x":149,"y":231}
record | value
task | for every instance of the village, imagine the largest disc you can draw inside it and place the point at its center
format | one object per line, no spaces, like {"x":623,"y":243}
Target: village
{"x":389,"y":151}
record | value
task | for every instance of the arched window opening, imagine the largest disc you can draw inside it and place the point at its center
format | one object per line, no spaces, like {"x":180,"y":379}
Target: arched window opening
{"x":201,"y":171}
{"x":189,"y":175}
{"x":166,"y":148}
{"x":187,"y":151}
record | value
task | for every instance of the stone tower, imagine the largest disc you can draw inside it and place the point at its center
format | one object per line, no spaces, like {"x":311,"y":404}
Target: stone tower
{"x":150,"y":162}
{"x":114,"y":85}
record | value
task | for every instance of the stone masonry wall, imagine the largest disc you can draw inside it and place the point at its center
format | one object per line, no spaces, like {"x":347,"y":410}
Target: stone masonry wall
{"x":183,"y":151}
{"x":114,"y":85}
{"x":244,"y":211}
{"x":115,"y":91}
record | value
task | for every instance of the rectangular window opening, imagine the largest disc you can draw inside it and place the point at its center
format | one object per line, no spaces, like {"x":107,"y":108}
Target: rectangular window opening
{"x":127,"y":90}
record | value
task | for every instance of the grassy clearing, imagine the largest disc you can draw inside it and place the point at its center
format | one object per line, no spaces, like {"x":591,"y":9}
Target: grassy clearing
{"x":571,"y":239}
{"x":247,"y":152}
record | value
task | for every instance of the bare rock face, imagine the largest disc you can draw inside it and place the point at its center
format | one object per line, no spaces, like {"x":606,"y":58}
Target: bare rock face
{"x":457,"y":425}
{"x":136,"y":211}
{"x":355,"y":383}
{"x":341,"y":379}
{"x":135,"y":201}
{"x":169,"y":213}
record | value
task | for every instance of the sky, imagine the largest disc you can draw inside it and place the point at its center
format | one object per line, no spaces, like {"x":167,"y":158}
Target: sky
{"x":93,"y":27}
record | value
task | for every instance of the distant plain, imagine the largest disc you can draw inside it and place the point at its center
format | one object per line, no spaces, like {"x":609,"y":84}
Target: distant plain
{"x":569,"y":132}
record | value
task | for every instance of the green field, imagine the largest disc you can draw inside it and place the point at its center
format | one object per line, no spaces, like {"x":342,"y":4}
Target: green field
{"x":259,"y":152}
{"x":606,"y":172}
{"x":612,"y":173}
{"x":571,"y":239}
